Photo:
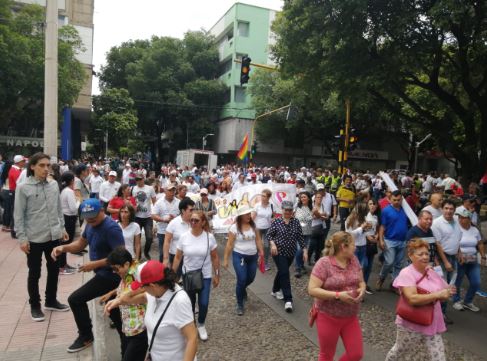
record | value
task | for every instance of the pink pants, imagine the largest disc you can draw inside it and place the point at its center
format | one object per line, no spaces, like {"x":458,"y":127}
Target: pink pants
{"x":330,"y":328}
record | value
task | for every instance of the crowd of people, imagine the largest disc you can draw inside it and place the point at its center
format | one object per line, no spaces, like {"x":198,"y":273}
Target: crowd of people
{"x":120,"y":207}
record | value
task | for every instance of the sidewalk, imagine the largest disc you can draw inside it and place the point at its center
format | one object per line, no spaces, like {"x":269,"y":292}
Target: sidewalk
{"x":21,"y":338}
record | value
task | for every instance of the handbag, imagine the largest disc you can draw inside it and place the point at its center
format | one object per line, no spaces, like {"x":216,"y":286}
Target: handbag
{"x":421,"y":315}
{"x":147,"y":355}
{"x":312,"y":314}
{"x":193,"y":280}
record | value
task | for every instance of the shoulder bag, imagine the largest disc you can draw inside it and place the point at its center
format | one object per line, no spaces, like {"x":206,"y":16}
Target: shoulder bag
{"x":421,"y":315}
{"x":147,"y":355}
{"x":312,"y":314}
{"x":193,"y":280}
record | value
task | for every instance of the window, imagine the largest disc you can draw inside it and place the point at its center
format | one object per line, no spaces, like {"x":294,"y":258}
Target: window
{"x":229,"y":35}
{"x":240,"y":94}
{"x":227,"y":97}
{"x":243,"y":29}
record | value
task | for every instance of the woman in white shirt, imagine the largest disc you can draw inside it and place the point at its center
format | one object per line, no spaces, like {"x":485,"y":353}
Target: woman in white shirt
{"x":304,"y":214}
{"x":372,"y":237}
{"x":468,"y":265}
{"x":356,"y":225}
{"x":197,"y":248}
{"x":245,"y":242}
{"x":131,"y":230}
{"x":95,"y":182}
{"x":262,"y":216}
{"x":69,"y":206}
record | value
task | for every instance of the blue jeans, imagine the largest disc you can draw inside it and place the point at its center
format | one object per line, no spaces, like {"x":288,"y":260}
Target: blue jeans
{"x":393,"y":258}
{"x":367,"y":269}
{"x":472,"y":271}
{"x":449,"y":275}
{"x":245,"y":268}
{"x":361,"y":254}
{"x":282,"y":281}
{"x":299,"y":253}
{"x":203,"y":300}
{"x":160,"y":237}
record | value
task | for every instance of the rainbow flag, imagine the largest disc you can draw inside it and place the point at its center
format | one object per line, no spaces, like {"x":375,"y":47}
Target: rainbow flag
{"x":244,"y":148}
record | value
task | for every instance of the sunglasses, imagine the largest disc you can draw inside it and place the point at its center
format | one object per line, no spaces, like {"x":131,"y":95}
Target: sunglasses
{"x":194,"y":220}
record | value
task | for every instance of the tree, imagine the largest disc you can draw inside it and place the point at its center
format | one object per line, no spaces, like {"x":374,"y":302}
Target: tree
{"x":22,"y":66}
{"x":113,"y":111}
{"x":174,"y":85}
{"x":422,"y":63}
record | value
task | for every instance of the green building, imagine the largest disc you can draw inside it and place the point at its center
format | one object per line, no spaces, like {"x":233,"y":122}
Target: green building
{"x":242,"y":30}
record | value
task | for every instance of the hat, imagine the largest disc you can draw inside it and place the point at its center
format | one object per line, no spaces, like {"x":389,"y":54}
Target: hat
{"x":320,"y":186}
{"x":244,"y":209}
{"x":90,"y":208}
{"x":148,"y":272}
{"x":171,"y":186}
{"x":112,"y":173}
{"x":18,"y":159}
{"x":287,"y":205}
{"x":467,"y":197}
{"x":173,"y":172}
{"x":127,"y":164}
{"x":463,"y":213}
{"x":253,"y":175}
{"x":204,"y":191}
{"x":139,"y":175}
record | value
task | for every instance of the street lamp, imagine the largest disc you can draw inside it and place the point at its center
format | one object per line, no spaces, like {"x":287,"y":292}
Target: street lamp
{"x":204,"y":139}
{"x":416,"y":152}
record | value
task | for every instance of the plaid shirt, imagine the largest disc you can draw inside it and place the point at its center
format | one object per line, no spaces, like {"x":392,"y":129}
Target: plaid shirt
{"x":132,"y":315}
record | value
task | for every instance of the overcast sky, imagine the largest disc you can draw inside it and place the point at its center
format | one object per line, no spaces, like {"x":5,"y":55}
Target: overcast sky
{"x":117,"y":21}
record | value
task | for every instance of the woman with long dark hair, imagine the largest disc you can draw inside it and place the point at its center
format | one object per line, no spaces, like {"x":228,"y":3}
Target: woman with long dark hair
{"x":124,"y":196}
{"x":131,"y":230}
{"x":372,"y":236}
{"x":69,"y":206}
{"x":7,"y":197}
{"x":245,"y":242}
{"x":356,"y":225}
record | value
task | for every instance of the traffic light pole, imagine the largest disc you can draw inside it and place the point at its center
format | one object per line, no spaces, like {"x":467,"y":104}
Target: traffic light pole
{"x":343,"y":152}
{"x":260,"y":117}
{"x":263,"y":66}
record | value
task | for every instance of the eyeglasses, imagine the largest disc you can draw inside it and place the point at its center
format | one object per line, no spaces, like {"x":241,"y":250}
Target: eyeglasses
{"x":194,"y":220}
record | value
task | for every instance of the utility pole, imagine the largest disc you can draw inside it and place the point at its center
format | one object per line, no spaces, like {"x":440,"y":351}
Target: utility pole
{"x":51,"y":80}
{"x":416,"y":151}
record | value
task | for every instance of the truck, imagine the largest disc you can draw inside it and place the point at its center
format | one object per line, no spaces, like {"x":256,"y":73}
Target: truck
{"x":202,"y":158}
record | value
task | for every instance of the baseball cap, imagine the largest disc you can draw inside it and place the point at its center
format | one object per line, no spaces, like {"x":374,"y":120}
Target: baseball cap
{"x":320,"y":186}
{"x":18,"y":158}
{"x":127,"y":164}
{"x":148,"y":272}
{"x":90,"y":208}
{"x":170,"y":186}
{"x":253,"y":175}
{"x":287,"y":205}
{"x":204,"y":191}
{"x":463,"y":213}
{"x":139,"y":175}
{"x":112,"y":173}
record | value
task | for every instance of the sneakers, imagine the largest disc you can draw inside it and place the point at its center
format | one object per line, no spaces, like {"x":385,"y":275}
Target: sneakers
{"x":267,"y":267}
{"x":447,"y":320}
{"x":240,"y":310}
{"x":80,"y":344}
{"x":36,"y":314}
{"x":379,"y":284}
{"x":471,"y":307}
{"x":56,"y":306}
{"x":288,"y":307}
{"x":65,"y":271}
{"x":277,"y":295}
{"x":481,"y":293}
{"x":458,"y":306}
{"x":297,"y":274}
{"x":202,"y":332}
{"x":368,"y":290}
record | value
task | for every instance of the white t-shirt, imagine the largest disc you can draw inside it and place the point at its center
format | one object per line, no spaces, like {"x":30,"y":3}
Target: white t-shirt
{"x":177,"y":227}
{"x":169,"y":342}
{"x":435,"y":212}
{"x":143,"y":198}
{"x":263,"y":216}
{"x":95,"y":183}
{"x":69,"y":203}
{"x":129,"y":233}
{"x":163,"y":209}
{"x":448,"y":234}
{"x":373,"y":220}
{"x":245,"y":241}
{"x":470,"y":239}
{"x":195,"y":249}
{"x":328,"y":201}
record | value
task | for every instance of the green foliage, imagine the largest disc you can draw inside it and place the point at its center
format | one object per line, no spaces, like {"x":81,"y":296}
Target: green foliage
{"x":114,"y":111}
{"x":22,"y":66}
{"x":419,"y":65}
{"x":174,"y":85}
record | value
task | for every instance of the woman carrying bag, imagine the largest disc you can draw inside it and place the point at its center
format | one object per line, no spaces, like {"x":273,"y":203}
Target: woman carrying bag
{"x":419,"y":316}
{"x":198,"y":247}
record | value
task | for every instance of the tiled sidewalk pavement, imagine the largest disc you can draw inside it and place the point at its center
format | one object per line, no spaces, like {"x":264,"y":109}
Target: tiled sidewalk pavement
{"x":20,"y":337}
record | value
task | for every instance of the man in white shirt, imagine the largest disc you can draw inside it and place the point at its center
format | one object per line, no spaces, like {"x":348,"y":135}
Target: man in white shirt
{"x":145,"y":197}
{"x":95,"y":183}
{"x":447,"y":232}
{"x":163,"y":212}
{"x":240,"y":183}
{"x":109,"y":188}
{"x":436,"y":199}
{"x":192,"y":186}
{"x":126,"y":173}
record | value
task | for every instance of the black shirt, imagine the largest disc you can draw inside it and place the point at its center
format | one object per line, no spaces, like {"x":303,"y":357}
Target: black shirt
{"x":416,"y":232}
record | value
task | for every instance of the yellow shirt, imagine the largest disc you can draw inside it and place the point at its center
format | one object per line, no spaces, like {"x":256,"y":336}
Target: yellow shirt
{"x":345,"y":193}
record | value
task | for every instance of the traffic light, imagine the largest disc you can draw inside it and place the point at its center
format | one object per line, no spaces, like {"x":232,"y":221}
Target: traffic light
{"x":253,"y":150}
{"x":245,"y":70}
{"x":352,"y":142}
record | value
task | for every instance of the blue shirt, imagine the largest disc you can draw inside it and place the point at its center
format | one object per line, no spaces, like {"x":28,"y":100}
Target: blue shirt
{"x":395,"y":223}
{"x":103,"y":239}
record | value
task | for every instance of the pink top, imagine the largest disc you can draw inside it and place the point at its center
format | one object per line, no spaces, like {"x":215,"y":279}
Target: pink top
{"x":335,"y":278}
{"x":432,"y":283}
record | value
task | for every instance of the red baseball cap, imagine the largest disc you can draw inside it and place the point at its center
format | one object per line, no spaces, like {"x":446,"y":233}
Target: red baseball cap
{"x":148,"y":272}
